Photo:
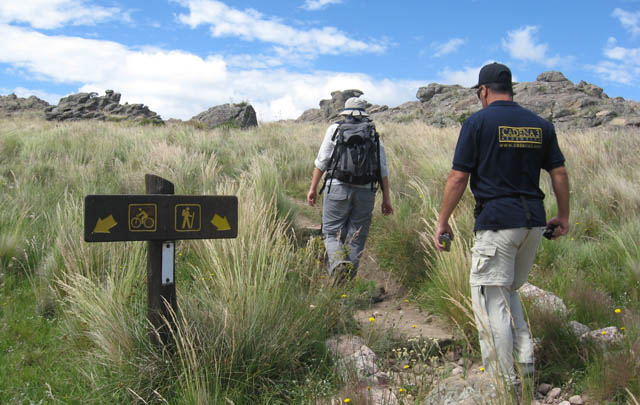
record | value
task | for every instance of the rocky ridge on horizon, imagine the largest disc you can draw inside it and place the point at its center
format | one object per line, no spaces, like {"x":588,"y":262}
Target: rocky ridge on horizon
{"x":90,"y":106}
{"x":12,"y":104}
{"x":552,"y":96}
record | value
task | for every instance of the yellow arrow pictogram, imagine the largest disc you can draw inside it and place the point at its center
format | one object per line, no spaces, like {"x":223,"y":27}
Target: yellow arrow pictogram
{"x":105,"y":225}
{"x":221,"y":223}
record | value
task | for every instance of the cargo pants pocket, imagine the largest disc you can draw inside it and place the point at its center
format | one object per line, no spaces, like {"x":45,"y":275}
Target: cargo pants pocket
{"x":481,"y":259}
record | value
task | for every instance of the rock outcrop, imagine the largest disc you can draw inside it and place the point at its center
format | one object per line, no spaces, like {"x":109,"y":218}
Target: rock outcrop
{"x":552,"y":96}
{"x":12,"y":105}
{"x":90,"y":106}
{"x":228,"y":115}
{"x":330,"y":109}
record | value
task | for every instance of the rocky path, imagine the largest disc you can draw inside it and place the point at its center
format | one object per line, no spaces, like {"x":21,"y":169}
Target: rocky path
{"x":408,"y":377}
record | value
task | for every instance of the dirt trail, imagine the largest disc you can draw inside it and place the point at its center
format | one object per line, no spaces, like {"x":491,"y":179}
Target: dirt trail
{"x":395,"y":311}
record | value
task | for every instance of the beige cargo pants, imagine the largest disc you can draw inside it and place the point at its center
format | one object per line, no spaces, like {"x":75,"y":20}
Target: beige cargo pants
{"x":501,"y":261}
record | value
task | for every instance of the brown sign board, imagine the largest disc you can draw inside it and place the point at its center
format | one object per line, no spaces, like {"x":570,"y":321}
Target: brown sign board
{"x":159,"y":217}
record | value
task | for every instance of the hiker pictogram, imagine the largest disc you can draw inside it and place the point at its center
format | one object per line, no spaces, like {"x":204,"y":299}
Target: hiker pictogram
{"x":187,"y":217}
{"x":142,"y":217}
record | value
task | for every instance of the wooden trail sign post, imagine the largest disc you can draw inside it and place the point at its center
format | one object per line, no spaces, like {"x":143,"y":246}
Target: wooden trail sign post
{"x":161,"y":218}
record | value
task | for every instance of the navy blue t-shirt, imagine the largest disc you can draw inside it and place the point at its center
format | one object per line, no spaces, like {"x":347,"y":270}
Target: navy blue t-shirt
{"x":504,"y":147}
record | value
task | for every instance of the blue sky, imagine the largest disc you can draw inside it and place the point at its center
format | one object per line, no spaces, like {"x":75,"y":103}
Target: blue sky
{"x":180,"y":57}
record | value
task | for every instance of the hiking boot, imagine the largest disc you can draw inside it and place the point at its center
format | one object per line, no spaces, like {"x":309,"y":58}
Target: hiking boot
{"x":342,"y":274}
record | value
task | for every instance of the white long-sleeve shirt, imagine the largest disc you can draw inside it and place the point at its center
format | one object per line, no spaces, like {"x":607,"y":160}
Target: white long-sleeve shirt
{"x":326,"y":150}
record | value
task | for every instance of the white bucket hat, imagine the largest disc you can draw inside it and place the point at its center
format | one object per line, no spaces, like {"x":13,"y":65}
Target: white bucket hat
{"x":355,"y":107}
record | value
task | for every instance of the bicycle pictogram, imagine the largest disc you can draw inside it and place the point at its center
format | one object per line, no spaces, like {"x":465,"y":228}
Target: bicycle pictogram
{"x":142,"y":217}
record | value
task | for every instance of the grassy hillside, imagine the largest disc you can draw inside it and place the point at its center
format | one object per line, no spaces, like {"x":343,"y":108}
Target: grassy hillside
{"x":254,"y":312}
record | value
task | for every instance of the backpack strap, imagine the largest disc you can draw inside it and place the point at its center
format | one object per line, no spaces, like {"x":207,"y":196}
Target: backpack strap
{"x":333,"y":154}
{"x":376,"y":137}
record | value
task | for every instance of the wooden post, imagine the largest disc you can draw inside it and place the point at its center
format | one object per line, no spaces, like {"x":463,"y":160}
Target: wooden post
{"x":160,"y":288}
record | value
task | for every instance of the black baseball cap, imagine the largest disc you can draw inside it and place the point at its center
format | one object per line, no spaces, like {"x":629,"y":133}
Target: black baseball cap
{"x":493,"y":73}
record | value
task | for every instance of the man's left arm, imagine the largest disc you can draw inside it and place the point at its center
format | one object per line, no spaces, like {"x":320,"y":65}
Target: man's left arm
{"x":453,"y":191}
{"x":560,"y":185}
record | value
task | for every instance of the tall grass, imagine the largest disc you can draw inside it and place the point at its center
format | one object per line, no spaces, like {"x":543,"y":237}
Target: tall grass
{"x":252,"y":314}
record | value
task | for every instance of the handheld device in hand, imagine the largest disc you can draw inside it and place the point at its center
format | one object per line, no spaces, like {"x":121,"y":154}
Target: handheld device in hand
{"x":548,"y":233}
{"x":445,"y":239}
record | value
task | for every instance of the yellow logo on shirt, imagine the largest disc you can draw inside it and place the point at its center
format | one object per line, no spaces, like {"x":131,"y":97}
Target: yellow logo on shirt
{"x":520,"y":137}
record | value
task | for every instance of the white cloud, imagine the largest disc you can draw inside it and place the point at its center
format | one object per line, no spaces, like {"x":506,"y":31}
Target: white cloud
{"x":49,"y":14}
{"x":627,"y":55}
{"x":466,"y":77}
{"x":622,"y":66}
{"x":616,"y":72}
{"x":521,"y":44}
{"x":250,"y":25}
{"x":448,"y":47}
{"x":178,"y":84}
{"x":312,"y":5}
{"x":629,"y":20}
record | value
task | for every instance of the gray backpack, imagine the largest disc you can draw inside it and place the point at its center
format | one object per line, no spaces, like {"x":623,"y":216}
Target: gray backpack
{"x":356,"y":156}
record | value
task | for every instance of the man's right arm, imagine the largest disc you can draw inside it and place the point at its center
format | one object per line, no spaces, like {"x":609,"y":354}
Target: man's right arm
{"x":453,"y":191}
{"x":313,"y":193}
{"x":321,"y":163}
{"x":560,"y":184}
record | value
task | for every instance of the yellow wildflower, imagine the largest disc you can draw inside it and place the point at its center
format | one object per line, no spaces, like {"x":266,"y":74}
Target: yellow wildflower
{"x":482,"y":369}
{"x":406,"y":366}
{"x":617,"y":310}
{"x":372,"y":319}
{"x":407,"y":301}
{"x":401,"y":390}
{"x":414,"y":326}
{"x":622,"y":328}
{"x":604,"y":332}
{"x":347,"y":400}
{"x":343,"y":296}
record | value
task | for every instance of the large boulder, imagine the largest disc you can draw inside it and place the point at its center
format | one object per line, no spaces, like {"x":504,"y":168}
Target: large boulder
{"x":330,"y":109}
{"x":228,"y":115}
{"x":90,"y":106}
{"x":12,"y":105}
{"x":469,"y":390}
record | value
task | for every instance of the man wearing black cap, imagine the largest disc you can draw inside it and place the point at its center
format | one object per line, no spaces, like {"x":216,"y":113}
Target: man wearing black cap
{"x":502,"y":149}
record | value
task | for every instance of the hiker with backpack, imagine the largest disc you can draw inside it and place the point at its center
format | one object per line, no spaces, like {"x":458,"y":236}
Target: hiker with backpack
{"x":354,"y":161}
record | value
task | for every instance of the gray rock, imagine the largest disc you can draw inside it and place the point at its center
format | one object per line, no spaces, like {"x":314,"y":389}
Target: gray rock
{"x":353,"y":356}
{"x":576,"y":400}
{"x":542,"y":298}
{"x":90,"y":106}
{"x":331,"y":108}
{"x":544,"y":388}
{"x":553,"y":394}
{"x":232,"y":115}
{"x":578,"y":328}
{"x":344,"y":345}
{"x":551,"y":77}
{"x":475,"y":389}
{"x":604,"y":337}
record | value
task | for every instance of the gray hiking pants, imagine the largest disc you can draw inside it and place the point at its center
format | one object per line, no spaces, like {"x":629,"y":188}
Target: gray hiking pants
{"x":346,"y":217}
